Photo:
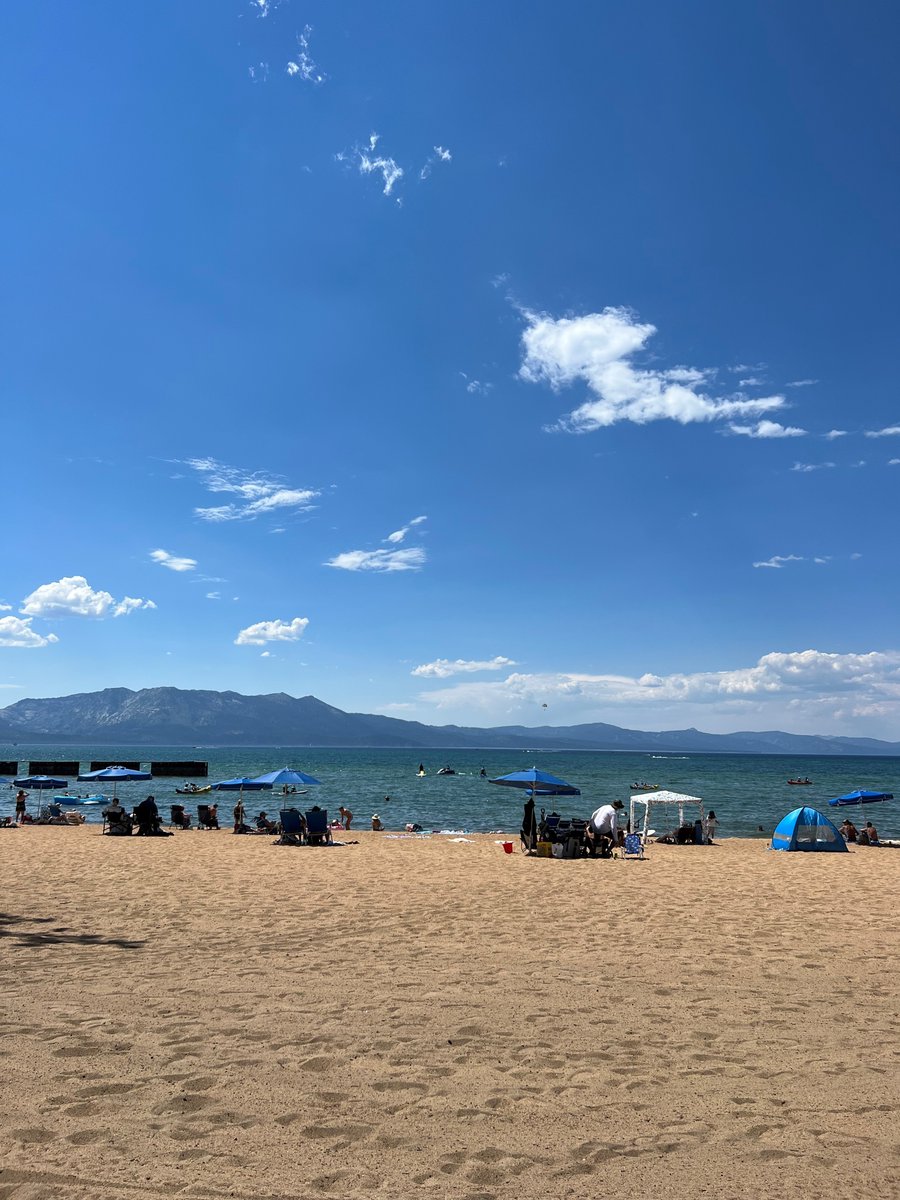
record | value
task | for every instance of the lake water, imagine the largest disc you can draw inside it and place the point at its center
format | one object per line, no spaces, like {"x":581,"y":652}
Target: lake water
{"x":746,"y":791}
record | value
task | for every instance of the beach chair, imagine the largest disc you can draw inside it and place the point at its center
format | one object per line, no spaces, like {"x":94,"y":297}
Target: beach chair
{"x":292,"y":826}
{"x":205,"y":818}
{"x":317,"y":831}
{"x":180,"y":819}
{"x":117,"y":824}
{"x":634,"y":846}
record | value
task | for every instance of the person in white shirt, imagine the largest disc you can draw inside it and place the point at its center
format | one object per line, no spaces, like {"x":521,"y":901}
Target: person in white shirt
{"x":604,"y":824}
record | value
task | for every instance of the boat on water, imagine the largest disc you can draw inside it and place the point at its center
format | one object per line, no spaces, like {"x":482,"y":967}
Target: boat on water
{"x":193,"y":790}
{"x":446,"y":771}
{"x":642,"y":786}
{"x":799,"y":782}
{"x":79,"y":799}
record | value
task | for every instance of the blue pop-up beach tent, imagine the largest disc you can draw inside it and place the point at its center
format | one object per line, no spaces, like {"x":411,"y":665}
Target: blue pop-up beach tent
{"x":807,"y":829}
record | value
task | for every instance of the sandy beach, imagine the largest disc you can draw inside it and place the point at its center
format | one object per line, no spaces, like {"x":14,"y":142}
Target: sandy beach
{"x":214,"y":1016}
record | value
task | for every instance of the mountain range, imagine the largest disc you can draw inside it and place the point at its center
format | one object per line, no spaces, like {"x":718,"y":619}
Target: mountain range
{"x":169,"y":716}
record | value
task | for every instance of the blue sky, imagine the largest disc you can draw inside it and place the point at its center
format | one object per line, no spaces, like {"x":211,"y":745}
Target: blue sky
{"x":507,"y":363}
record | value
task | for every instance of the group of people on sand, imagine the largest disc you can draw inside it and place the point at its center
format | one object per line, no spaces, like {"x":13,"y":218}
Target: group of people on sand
{"x":867,"y":836}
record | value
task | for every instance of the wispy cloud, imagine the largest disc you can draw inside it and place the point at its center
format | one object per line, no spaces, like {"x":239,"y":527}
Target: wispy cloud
{"x":16,"y":632}
{"x":767,"y":429}
{"x":368,"y":161}
{"x":443,"y":668}
{"x":399,"y":535}
{"x":439,"y":154}
{"x":894,"y":462}
{"x":172,"y":561}
{"x":263,"y":8}
{"x":888,"y":431}
{"x":259,"y":73}
{"x":748,"y":368}
{"x":411,"y":559}
{"x":778,"y":560}
{"x":214,"y":595}
{"x":807,"y":467}
{"x":72,"y":596}
{"x":833,"y":434}
{"x":272,"y":631}
{"x":475,"y":387}
{"x":597,"y":350}
{"x":259,"y":494}
{"x":801,"y":383}
{"x":302,"y":65}
{"x":752,"y":381}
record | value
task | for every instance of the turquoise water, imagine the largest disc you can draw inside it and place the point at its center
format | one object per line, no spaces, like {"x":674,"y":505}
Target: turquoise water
{"x":746,"y":791}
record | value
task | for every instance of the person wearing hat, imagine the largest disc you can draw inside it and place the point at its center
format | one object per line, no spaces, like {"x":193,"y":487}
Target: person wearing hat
{"x":604,"y":824}
{"x":376,"y":823}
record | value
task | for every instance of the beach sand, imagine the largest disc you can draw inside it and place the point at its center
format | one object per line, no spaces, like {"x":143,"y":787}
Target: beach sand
{"x":214,"y":1016}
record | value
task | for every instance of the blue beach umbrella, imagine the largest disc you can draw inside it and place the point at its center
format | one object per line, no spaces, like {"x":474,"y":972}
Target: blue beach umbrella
{"x":860,"y":797}
{"x":538,"y":783}
{"x":41,"y":783}
{"x":286,"y":777}
{"x":115,"y":775}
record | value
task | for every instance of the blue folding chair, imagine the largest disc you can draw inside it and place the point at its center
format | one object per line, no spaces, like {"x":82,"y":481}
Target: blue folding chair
{"x":317,"y":831}
{"x":634,"y":846}
{"x":293,"y":827}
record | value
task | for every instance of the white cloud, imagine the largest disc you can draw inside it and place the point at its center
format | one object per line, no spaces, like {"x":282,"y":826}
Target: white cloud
{"x":806,"y":691}
{"x":832,"y":434}
{"x":801,"y":383}
{"x":411,"y":559}
{"x":743,"y":368}
{"x":5,"y":608}
{"x":259,"y":494}
{"x":272,"y":631}
{"x":259,"y":73}
{"x":439,"y":154}
{"x":767,"y":429}
{"x":475,"y":387}
{"x":443,"y":668}
{"x":302,"y":64}
{"x":399,"y":535}
{"x":778,"y":560}
{"x":894,"y":462}
{"x":752,"y":381}
{"x":172,"y":561}
{"x":17,"y":632}
{"x":596,"y":349}
{"x":807,"y":467}
{"x":73,"y":596}
{"x":214,"y":595}
{"x":368,"y":162}
{"x":888,"y":431}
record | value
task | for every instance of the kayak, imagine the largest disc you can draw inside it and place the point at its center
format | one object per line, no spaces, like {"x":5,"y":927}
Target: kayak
{"x":800,"y":782}
{"x":194,"y":791}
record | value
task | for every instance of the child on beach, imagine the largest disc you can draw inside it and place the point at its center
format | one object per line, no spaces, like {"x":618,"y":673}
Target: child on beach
{"x":711,"y":822}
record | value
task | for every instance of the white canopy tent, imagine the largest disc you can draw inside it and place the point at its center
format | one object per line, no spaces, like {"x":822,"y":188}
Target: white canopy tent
{"x":668,"y":802}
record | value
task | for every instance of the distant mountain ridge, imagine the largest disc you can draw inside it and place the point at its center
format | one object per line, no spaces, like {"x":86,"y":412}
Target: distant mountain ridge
{"x":169,"y":716}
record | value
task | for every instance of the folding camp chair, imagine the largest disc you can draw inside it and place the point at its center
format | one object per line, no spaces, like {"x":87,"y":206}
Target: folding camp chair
{"x":317,"y":831}
{"x":293,"y":827}
{"x":180,"y":819}
{"x":205,"y":817}
{"x":633,"y":846}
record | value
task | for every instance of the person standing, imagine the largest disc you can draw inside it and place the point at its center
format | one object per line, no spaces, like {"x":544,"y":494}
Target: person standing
{"x":712,"y":822}
{"x":239,"y":817}
{"x":346,"y":816}
{"x":21,"y":803}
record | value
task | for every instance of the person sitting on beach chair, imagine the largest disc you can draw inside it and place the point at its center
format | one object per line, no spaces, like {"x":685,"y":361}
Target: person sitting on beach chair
{"x":264,"y":825}
{"x":148,"y":819}
{"x":317,"y":830}
{"x":115,"y":820}
{"x":208,"y":816}
{"x":293,"y":828}
{"x":180,"y":819}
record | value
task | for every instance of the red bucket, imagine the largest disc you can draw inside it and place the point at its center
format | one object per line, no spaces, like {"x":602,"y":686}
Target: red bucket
{"x":507,"y":847}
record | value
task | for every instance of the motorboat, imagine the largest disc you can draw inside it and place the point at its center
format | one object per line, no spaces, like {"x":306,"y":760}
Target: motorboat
{"x":446,"y":771}
{"x":799,"y":782}
{"x":193,"y":790}
{"x":642,"y":786}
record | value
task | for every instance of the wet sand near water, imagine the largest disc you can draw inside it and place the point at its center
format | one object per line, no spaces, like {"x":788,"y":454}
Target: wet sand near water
{"x":214,"y":1016}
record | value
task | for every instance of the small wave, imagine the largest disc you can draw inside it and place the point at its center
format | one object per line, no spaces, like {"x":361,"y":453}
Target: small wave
{"x":677,"y":757}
